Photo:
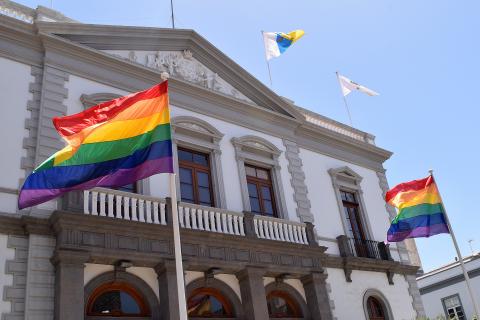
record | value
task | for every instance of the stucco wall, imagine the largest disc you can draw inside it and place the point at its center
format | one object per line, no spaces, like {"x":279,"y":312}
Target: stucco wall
{"x":397,"y":295}
{"x":14,"y":95}
{"x":325,"y":208}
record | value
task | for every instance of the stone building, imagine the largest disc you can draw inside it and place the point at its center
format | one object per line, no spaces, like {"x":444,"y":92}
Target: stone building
{"x":281,"y":212}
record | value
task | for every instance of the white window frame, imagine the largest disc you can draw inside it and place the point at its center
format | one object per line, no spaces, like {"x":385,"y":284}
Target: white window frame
{"x":445,"y":309}
{"x":345,"y":179}
{"x":260,"y":152}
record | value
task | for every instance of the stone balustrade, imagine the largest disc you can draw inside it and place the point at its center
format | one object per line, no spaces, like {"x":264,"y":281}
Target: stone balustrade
{"x":139,"y":208}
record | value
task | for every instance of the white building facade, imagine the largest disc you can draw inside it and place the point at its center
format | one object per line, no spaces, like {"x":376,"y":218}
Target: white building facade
{"x":282,"y":211}
{"x":444,"y":291}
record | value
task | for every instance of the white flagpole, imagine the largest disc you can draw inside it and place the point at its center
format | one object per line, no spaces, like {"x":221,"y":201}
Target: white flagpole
{"x":460,"y":258}
{"x":268,"y":63}
{"x":344,"y":99}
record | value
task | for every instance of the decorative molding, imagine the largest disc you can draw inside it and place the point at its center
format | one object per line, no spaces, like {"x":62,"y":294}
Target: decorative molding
{"x":410,"y":279}
{"x":27,"y":162}
{"x":18,"y":269}
{"x":197,"y":134}
{"x":182,"y":65}
{"x":261,"y":152}
{"x":300,"y":190}
{"x":108,"y":240}
{"x":90,"y":100}
{"x":345,"y":179}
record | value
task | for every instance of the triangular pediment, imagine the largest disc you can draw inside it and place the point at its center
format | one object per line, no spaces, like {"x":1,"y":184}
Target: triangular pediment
{"x":184,"y":54}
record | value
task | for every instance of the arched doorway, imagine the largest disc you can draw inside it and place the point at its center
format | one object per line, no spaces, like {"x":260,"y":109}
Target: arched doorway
{"x":376,"y":306}
{"x":120,"y":295}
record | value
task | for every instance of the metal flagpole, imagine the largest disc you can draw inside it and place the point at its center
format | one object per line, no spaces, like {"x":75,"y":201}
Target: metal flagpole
{"x":344,"y":99}
{"x":173,"y":17}
{"x":465,"y":273}
{"x":268,"y":63}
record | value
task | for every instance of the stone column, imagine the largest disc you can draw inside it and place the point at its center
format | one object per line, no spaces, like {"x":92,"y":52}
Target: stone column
{"x":254,"y":300}
{"x":69,"y":289}
{"x":316,"y":293}
{"x":167,"y":283}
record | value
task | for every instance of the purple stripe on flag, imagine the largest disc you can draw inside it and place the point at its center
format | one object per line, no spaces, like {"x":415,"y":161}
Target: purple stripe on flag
{"x":121,"y":177}
{"x":420,"y":232}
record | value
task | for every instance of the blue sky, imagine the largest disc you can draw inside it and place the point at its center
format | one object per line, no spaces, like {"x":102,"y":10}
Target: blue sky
{"x":421,"y":56}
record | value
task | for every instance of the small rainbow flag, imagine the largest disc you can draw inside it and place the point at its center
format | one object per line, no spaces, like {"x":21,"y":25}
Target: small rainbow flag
{"x":421,"y":212}
{"x":109,"y":145}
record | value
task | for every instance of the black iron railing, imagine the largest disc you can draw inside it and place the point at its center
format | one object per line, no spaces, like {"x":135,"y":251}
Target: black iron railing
{"x":363,"y":248}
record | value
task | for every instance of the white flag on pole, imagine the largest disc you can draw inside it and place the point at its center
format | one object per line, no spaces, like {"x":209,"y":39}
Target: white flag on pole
{"x":348,"y":86}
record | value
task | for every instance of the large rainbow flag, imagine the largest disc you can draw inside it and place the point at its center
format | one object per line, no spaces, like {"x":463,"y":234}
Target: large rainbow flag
{"x":420,"y":210}
{"x":109,"y":145}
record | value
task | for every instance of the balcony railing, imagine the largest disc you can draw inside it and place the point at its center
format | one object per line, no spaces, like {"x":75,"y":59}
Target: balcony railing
{"x":134,"y":207}
{"x":353,"y":247}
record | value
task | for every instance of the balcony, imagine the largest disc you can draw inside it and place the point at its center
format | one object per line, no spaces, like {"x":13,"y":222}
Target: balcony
{"x":353,"y":247}
{"x":138,"y":208}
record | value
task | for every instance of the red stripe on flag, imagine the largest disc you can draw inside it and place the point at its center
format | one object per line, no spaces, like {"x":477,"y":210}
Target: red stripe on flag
{"x":105,"y":111}
{"x":414,"y":185}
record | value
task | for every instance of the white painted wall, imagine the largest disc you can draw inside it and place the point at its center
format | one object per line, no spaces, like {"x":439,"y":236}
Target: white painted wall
{"x":5,"y":279}
{"x":353,"y":292}
{"x":325,"y":208}
{"x":432,"y":301}
{"x":14,"y":95}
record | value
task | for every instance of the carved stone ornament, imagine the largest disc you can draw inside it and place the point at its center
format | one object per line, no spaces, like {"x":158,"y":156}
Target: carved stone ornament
{"x":182,"y":65}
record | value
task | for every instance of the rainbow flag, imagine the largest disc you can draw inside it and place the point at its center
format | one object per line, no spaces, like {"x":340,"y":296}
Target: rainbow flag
{"x":109,"y":145}
{"x":420,"y":210}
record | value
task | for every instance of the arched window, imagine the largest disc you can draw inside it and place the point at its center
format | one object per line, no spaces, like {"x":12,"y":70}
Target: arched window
{"x":208,"y":303}
{"x":117,"y":299}
{"x":375,"y":309}
{"x":282,"y":305}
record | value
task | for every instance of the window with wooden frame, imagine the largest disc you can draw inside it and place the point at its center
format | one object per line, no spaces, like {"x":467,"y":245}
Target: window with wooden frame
{"x":209,"y":303}
{"x":117,"y":299}
{"x":351,"y":209}
{"x":282,"y":305}
{"x":195,"y":177}
{"x":260,"y":190}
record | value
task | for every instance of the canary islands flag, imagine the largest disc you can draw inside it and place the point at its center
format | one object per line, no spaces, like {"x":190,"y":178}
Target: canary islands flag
{"x":420,"y":210}
{"x":109,"y":145}
{"x":277,"y":42}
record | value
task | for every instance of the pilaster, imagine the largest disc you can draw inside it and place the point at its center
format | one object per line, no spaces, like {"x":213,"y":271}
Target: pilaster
{"x":69,"y":284}
{"x":316,"y":292}
{"x":253,"y":293}
{"x":167,"y":283}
